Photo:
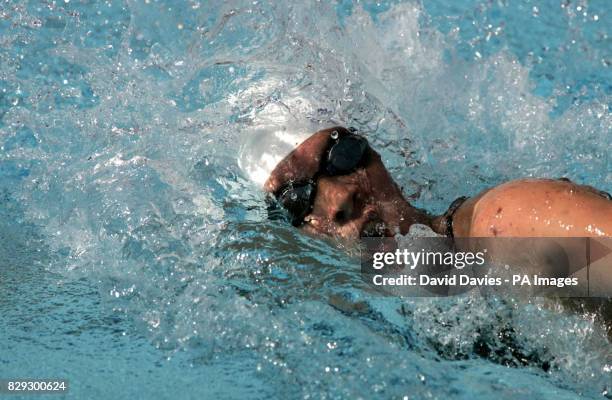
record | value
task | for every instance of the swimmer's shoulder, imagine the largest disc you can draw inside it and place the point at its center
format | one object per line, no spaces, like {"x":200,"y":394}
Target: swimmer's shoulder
{"x":536,"y":207}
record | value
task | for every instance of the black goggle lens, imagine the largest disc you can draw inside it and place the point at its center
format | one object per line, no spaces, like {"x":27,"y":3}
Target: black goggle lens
{"x":297,"y":200}
{"x":346,"y":154}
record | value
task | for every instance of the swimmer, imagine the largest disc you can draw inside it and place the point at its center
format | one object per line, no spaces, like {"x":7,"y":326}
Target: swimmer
{"x":332,"y":183}
{"x":335,"y":184}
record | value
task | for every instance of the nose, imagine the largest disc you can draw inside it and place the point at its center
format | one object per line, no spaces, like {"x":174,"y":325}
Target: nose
{"x":337,"y":201}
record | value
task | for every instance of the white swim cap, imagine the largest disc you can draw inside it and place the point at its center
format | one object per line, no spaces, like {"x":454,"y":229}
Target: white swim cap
{"x":275,"y":134}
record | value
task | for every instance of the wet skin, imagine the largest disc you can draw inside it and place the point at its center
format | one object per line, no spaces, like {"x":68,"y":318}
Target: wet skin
{"x":368,"y":202}
{"x":536,"y":208}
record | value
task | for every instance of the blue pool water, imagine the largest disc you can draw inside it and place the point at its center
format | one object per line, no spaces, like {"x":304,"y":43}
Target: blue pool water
{"x":136,"y":259}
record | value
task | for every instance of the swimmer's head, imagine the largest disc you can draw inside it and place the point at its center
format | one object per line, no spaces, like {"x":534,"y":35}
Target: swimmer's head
{"x":335,"y":184}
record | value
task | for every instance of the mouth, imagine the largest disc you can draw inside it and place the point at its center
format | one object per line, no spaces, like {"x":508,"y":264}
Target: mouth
{"x":374,"y":226}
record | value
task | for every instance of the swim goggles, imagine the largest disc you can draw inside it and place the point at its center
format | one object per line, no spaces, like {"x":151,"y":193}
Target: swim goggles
{"x":342,"y":156}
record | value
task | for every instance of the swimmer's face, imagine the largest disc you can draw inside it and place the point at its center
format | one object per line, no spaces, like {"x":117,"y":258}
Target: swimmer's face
{"x":362,"y":202}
